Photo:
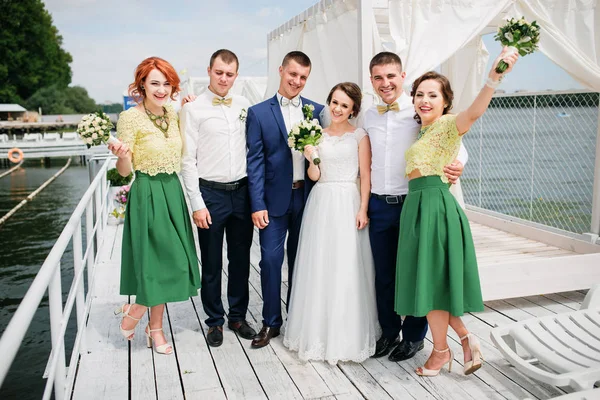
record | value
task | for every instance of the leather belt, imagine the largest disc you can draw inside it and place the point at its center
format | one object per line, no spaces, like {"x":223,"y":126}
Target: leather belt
{"x":390,"y":199}
{"x":297,"y":184}
{"x":228,"y":187}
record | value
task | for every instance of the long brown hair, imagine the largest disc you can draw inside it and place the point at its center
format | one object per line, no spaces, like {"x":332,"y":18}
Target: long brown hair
{"x":447,"y":92}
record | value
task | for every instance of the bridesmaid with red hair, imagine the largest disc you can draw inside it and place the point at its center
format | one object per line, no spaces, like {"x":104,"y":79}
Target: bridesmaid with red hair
{"x":158,"y":260}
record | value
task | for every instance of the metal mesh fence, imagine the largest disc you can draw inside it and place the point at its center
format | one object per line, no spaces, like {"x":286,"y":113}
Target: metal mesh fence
{"x":532,"y":156}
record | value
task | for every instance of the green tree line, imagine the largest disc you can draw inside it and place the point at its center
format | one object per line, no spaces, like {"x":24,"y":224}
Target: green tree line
{"x":35,"y":70}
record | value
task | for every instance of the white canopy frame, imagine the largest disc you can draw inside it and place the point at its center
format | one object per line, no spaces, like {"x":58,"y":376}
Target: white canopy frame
{"x":411,"y":28}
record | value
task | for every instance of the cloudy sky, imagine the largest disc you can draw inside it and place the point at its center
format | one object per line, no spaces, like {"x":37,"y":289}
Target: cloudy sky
{"x":108,"y":38}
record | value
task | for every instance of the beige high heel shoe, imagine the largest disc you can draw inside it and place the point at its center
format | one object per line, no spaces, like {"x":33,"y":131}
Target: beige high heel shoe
{"x":127,"y":333}
{"x":475,"y":363}
{"x":162,"y":349}
{"x":422,"y":371}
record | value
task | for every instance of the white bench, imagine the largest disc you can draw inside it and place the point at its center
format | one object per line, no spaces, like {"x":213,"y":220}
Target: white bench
{"x":32,"y":137}
{"x":70,"y":136}
{"x":51,"y":136}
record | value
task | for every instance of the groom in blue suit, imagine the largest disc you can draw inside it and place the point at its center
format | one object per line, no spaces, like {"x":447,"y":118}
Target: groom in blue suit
{"x":278,"y":184}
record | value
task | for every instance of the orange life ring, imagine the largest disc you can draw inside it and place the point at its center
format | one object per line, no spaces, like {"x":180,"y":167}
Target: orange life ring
{"x":11,"y":155}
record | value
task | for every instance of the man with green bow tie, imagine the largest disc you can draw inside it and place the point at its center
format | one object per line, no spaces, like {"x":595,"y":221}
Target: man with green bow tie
{"x":214,"y":173}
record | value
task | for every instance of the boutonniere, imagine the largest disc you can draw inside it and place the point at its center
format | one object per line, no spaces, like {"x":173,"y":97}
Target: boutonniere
{"x":243,"y":115}
{"x":307,"y":110}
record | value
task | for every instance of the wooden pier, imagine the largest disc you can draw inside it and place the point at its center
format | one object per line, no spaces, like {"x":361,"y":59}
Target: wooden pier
{"x":112,"y":368}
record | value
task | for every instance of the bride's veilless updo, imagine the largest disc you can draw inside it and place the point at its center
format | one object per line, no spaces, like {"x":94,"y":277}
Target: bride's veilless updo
{"x":352,"y":90}
{"x":447,"y":92}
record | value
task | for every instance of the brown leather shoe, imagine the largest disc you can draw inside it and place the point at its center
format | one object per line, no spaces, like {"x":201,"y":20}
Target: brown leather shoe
{"x":264,"y":337}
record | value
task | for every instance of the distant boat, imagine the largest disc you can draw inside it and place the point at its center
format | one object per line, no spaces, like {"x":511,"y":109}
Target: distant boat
{"x":563,"y":115}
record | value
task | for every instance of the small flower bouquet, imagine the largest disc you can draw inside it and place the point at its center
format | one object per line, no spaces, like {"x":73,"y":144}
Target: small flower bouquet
{"x":122,"y":195}
{"x":520,"y":36}
{"x":120,"y":198}
{"x":307,"y":132}
{"x":94,"y":129}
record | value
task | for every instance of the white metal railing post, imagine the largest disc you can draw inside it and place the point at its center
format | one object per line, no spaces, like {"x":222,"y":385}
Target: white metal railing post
{"x":91,"y":255}
{"x":56,"y":315}
{"x":77,"y":266}
{"x":99,"y":210}
{"x":595,"y":223}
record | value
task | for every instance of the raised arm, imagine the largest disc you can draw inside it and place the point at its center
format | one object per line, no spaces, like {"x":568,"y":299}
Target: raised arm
{"x":465,"y":119}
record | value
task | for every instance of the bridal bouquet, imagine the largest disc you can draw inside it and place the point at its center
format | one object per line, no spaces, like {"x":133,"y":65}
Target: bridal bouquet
{"x":520,"y":36}
{"x":94,"y":129}
{"x":307,"y":132}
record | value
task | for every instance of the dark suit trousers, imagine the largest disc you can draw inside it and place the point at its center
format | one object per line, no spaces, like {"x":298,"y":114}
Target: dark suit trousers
{"x":230,"y":214}
{"x":272,"y":239}
{"x":384,"y":228}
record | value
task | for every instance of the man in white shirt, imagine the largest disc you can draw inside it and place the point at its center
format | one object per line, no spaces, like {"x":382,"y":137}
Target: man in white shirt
{"x":214,"y":174}
{"x":392,"y":130}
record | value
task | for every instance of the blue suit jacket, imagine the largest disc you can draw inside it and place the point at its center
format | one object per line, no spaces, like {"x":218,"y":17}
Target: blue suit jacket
{"x":270,"y":170}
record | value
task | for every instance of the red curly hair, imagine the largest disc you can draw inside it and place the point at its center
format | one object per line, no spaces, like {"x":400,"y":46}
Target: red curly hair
{"x":142,"y":71}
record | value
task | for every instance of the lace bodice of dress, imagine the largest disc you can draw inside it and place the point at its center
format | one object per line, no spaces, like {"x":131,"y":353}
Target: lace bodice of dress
{"x":339,"y":156}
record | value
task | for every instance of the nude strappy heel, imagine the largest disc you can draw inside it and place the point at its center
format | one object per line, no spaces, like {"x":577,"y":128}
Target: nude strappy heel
{"x":127,"y":334}
{"x":422,"y":371}
{"x":475,"y":363}
{"x":163,"y":348}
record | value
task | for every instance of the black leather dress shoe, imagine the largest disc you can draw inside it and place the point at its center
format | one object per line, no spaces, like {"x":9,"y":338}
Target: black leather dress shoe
{"x":242,"y":328}
{"x":215,"y":336}
{"x":383,"y":346}
{"x":406,"y":350}
{"x":264,"y":337}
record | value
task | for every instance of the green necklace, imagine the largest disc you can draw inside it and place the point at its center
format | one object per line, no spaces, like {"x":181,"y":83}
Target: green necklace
{"x":160,"y":121}
{"x":422,"y":132}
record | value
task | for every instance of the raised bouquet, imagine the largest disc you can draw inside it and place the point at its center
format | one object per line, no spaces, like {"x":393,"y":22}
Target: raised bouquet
{"x":306,"y":132}
{"x":520,"y":36}
{"x":94,"y":129}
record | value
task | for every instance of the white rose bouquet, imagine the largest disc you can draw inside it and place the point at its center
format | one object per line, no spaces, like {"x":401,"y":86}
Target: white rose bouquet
{"x":520,"y":36}
{"x":307,"y":132}
{"x":94,"y":129}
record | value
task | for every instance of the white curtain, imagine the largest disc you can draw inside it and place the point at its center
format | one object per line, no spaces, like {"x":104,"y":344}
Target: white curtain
{"x":428,"y":32}
{"x":330,"y":39}
{"x":569,"y":36}
{"x":466,"y":70}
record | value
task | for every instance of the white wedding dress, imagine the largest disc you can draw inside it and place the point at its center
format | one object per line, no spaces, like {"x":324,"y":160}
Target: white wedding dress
{"x":333,"y":313}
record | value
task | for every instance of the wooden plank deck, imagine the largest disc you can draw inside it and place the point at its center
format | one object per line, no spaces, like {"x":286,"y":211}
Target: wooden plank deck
{"x":112,"y":368}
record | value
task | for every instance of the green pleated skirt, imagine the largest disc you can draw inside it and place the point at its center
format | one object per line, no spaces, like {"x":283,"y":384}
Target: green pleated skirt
{"x":158,"y":259}
{"x":436,"y":268}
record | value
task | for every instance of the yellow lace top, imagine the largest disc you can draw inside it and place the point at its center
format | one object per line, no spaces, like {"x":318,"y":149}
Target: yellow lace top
{"x":437,"y":146}
{"x":153,"y":151}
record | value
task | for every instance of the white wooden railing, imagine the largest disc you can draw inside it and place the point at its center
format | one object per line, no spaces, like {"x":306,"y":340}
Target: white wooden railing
{"x":94,"y":205}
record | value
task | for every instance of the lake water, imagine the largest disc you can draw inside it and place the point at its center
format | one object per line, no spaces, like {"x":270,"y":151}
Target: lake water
{"x":25,"y":241}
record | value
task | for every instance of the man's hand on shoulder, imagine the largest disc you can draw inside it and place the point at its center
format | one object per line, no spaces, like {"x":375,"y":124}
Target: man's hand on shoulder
{"x":260,"y":219}
{"x":454,"y":171}
{"x":202,"y":218}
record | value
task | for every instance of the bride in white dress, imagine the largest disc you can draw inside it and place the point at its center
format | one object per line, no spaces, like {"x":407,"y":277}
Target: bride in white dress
{"x":332,"y":312}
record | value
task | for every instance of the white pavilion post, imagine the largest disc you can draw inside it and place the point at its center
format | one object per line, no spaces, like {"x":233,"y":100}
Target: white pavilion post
{"x":595,"y":225}
{"x":365,"y":42}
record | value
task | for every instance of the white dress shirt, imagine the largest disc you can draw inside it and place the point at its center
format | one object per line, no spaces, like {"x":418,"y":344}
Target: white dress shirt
{"x":215,"y":142}
{"x":291,"y":116}
{"x":391,"y":135}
